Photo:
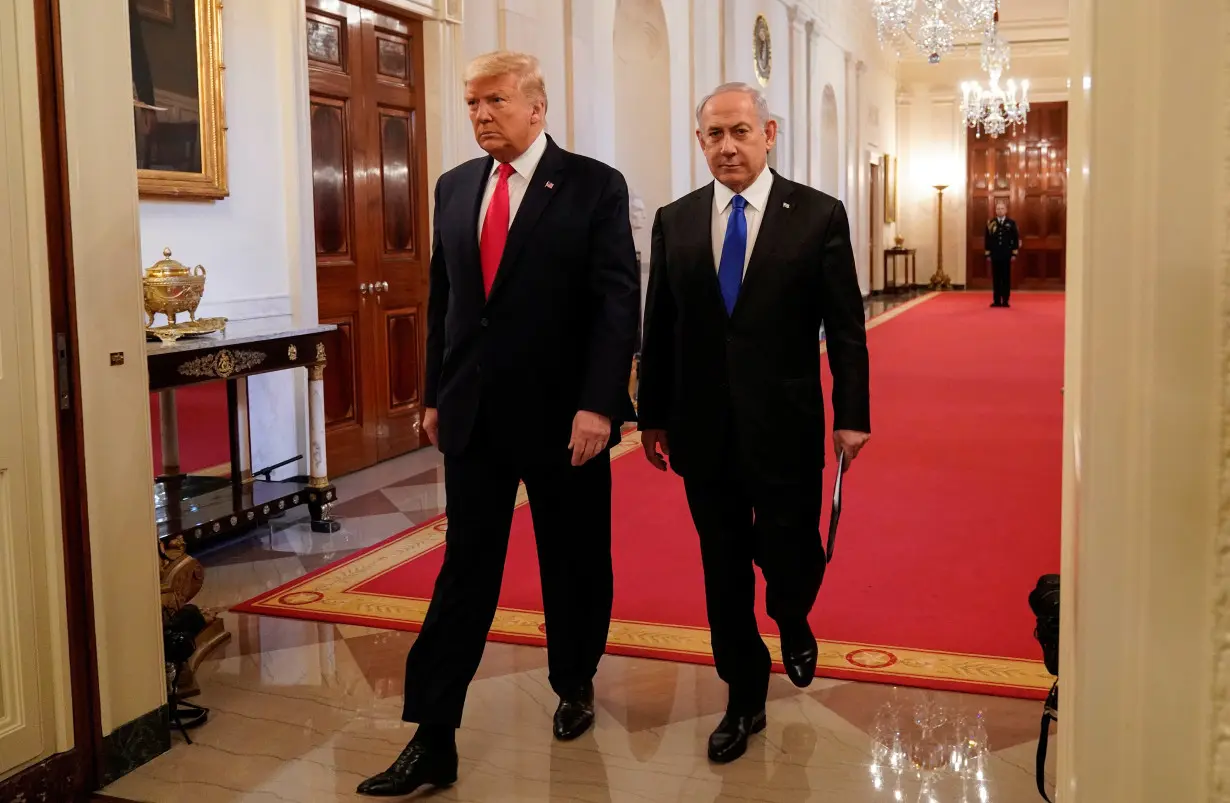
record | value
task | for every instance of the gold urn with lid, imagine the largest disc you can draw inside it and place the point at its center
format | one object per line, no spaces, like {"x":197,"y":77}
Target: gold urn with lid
{"x":171,"y":288}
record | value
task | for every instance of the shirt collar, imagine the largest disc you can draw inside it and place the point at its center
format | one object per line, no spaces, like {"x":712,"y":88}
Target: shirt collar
{"x":526,"y":163}
{"x":757,"y":195}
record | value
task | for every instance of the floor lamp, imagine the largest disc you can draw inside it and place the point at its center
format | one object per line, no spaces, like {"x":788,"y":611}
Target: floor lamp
{"x":940,"y":280}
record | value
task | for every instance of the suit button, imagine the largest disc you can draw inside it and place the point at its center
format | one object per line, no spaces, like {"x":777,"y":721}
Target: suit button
{"x":483,"y":323}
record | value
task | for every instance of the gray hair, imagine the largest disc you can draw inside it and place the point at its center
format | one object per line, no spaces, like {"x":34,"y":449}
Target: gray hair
{"x":758,"y":99}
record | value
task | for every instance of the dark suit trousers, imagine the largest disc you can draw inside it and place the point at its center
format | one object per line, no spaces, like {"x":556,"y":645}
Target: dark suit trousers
{"x":741,"y":522}
{"x":571,"y":510}
{"x":1001,"y":278}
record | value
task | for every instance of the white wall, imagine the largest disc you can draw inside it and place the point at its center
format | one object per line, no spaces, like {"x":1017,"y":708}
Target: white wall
{"x":257,"y":244}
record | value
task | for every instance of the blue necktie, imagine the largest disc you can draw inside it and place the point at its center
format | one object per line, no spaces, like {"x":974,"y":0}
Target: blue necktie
{"x":734,"y":248}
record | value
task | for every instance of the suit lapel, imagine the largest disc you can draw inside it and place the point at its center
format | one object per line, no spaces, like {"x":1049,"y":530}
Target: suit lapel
{"x":544,"y":186}
{"x":774,"y":224}
{"x":698,"y":240}
{"x":475,"y":187}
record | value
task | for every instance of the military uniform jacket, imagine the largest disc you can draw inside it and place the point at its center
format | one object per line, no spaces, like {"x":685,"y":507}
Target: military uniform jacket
{"x":1003,"y":240}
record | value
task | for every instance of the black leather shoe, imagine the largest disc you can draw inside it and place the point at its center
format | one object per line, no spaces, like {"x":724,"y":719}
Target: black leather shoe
{"x":575,"y":715}
{"x":418,"y":765}
{"x":729,"y":741}
{"x":799,"y":654}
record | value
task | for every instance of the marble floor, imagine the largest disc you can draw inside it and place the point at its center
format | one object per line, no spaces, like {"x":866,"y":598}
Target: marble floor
{"x":301,"y":712}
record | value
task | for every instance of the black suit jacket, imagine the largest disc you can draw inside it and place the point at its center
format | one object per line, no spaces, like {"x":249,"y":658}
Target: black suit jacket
{"x":558,"y":331}
{"x":755,"y":374}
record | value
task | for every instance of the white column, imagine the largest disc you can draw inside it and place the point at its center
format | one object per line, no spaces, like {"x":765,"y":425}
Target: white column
{"x":861,"y":198}
{"x":168,"y":426}
{"x":1145,"y":636}
{"x":319,"y":469}
{"x":813,"y":102}
{"x":445,"y":63}
{"x":850,"y":119}
{"x":800,"y":122}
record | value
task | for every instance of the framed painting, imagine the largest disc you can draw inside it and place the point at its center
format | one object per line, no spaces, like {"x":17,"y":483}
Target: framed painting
{"x":177,"y":98}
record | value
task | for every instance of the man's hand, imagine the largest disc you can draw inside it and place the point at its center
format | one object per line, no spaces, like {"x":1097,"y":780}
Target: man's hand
{"x":431,"y":425}
{"x":849,"y":442}
{"x":590,"y":433}
{"x":653,"y":441}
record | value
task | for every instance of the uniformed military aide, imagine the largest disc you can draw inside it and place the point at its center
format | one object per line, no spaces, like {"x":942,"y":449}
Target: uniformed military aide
{"x":1002,"y":243}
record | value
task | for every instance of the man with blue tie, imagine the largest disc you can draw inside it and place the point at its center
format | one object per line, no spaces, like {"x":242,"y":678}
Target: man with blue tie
{"x":743,"y":274}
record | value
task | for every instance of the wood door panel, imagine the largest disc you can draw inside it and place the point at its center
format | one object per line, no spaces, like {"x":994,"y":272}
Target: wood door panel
{"x":369,"y":168}
{"x":402,"y":327}
{"x":342,"y":400}
{"x":397,"y":181}
{"x":332,"y":199}
{"x":1027,"y":169}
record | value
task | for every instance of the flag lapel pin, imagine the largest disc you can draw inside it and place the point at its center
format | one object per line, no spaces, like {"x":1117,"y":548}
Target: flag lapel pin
{"x":785,"y":205}
{"x":550,"y":186}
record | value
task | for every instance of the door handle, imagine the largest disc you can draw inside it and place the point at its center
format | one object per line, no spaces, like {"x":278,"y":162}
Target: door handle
{"x":364,"y":287}
{"x":384,"y":287}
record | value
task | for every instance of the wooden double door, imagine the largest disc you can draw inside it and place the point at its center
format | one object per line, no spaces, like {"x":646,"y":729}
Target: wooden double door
{"x":372,"y":243}
{"x":1027,"y":169}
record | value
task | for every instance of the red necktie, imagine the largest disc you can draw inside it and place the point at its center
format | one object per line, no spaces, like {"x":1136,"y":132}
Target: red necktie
{"x":495,"y":229}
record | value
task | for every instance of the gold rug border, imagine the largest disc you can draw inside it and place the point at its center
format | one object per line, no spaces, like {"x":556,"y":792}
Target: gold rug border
{"x":957,"y":668}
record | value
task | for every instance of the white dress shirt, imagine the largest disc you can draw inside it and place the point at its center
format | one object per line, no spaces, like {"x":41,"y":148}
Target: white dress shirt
{"x":756,"y":196}
{"x":525,"y":165}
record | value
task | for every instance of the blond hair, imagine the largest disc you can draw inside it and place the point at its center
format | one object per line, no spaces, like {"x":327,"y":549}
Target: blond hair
{"x":506,"y":62}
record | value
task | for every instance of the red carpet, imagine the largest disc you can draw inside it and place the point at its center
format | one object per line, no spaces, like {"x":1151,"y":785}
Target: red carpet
{"x":204,"y":433}
{"x":949,"y":517}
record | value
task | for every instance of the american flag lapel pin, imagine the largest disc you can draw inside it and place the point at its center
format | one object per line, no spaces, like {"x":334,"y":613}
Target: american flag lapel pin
{"x":550,"y":186}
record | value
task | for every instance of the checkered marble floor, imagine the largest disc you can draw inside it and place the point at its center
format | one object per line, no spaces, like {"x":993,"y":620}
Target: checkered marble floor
{"x":301,"y":711}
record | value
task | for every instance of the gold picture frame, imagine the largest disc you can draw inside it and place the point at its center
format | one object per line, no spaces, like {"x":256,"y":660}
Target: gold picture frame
{"x":179,"y":112}
{"x":889,"y":166}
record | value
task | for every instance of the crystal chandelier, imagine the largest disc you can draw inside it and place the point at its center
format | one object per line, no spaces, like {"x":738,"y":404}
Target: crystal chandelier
{"x":932,"y":25}
{"x":993,"y":109}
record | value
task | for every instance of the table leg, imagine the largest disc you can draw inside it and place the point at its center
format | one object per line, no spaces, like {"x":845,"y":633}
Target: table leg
{"x":241,"y":429}
{"x":168,"y":419}
{"x":318,"y":470}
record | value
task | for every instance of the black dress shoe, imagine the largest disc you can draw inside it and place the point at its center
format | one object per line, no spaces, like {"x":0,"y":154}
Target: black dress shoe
{"x":418,"y":765}
{"x":729,"y":741}
{"x":799,"y":654}
{"x":575,"y":715}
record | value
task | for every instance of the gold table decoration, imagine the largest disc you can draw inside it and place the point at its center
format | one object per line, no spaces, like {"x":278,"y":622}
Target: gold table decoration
{"x":170,"y":287}
{"x":171,"y":332}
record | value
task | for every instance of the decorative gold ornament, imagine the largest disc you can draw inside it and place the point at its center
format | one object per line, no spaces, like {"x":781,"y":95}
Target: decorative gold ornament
{"x":292,"y":353}
{"x":762,"y":49}
{"x":316,"y":372}
{"x":222,"y":364}
{"x":172,"y":332}
{"x":320,"y":352}
{"x":170,"y":288}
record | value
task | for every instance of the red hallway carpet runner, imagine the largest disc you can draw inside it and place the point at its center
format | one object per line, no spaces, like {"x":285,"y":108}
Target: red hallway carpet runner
{"x":948,"y":519}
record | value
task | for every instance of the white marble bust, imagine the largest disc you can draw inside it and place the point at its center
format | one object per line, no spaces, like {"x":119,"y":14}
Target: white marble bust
{"x":636,"y":212}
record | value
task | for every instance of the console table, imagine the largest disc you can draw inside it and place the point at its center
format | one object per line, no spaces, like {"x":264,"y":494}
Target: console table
{"x":893,"y":254}
{"x":200,"y":508}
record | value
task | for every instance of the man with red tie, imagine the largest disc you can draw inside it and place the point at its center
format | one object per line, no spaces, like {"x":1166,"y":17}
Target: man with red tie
{"x":531,"y":326}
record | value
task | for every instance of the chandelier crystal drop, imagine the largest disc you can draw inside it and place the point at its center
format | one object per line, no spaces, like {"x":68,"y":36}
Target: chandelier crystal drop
{"x":994,"y":109}
{"x":932,"y":26}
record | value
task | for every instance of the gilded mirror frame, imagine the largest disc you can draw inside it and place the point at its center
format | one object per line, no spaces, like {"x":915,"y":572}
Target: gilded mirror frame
{"x":211,"y":181}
